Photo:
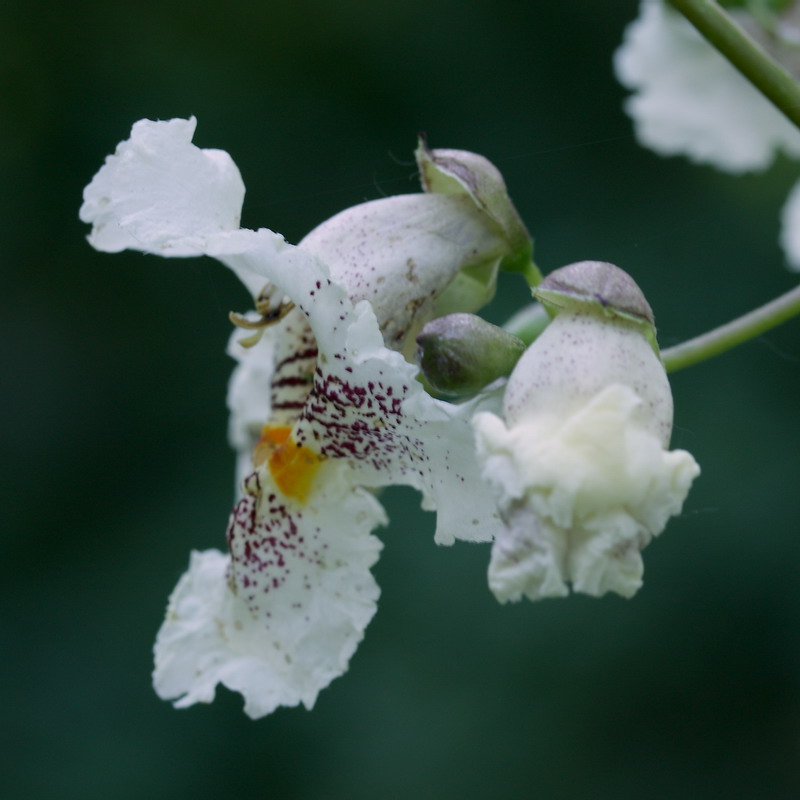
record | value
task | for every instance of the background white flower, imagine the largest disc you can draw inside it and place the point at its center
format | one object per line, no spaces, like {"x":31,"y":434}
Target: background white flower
{"x":689,"y":100}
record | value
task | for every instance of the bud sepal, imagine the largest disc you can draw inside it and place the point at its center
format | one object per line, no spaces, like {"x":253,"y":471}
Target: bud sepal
{"x":458,"y":172}
{"x":601,"y":287}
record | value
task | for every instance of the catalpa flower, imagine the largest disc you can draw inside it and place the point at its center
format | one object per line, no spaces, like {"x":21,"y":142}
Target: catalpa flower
{"x":578,"y":463}
{"x":689,"y":100}
{"x":324,"y":405}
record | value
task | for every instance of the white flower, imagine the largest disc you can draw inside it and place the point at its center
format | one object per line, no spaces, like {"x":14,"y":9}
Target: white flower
{"x":689,"y":100}
{"x":579,"y":465}
{"x":325,"y":407}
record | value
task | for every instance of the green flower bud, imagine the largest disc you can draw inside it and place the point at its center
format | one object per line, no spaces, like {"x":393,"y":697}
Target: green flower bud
{"x":460,"y":354}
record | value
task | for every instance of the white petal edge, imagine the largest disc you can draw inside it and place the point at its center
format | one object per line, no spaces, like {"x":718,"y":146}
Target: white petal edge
{"x":159,"y":193}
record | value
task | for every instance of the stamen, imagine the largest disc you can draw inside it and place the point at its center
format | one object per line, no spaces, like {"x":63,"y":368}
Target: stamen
{"x":249,"y":341}
{"x":271,"y":305}
{"x":241,"y":321}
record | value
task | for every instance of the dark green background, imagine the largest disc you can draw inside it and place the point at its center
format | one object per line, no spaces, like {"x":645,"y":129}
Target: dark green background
{"x":113,"y":419}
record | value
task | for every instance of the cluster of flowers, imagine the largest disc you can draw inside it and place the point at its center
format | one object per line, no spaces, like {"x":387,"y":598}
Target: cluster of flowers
{"x":689,"y":100}
{"x":564,"y":467}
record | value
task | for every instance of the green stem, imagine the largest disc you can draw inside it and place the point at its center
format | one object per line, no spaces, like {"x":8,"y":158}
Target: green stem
{"x":759,"y":68}
{"x":733,"y":333}
{"x":528,"y":323}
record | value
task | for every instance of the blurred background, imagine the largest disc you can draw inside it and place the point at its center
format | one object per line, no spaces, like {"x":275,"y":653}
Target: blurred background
{"x":115,"y":461}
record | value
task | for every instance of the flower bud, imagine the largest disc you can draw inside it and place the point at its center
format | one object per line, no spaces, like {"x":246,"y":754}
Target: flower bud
{"x":579,"y":466}
{"x":460,"y":354}
{"x":458,"y":172}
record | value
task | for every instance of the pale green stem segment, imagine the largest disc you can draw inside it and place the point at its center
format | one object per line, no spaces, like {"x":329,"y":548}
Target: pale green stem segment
{"x":528,"y":323}
{"x":733,"y":333}
{"x":532,"y":274}
{"x":769,"y":77}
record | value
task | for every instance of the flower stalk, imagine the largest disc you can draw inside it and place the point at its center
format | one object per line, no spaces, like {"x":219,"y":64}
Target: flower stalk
{"x":766,"y":74}
{"x":528,"y":323}
{"x":755,"y":323}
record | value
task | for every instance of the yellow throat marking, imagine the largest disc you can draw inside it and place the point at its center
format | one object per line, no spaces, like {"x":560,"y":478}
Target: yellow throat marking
{"x":292,"y":465}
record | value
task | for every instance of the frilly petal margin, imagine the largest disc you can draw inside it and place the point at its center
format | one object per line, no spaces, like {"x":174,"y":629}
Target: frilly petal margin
{"x":159,"y":193}
{"x":580,"y":498}
{"x":154,"y":189}
{"x":315,"y":564}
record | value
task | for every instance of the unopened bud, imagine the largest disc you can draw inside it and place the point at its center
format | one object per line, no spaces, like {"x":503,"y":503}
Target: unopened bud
{"x":461,"y":172}
{"x":460,"y":354}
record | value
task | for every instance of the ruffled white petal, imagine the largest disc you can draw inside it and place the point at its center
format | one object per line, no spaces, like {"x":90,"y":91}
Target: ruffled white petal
{"x":158,"y":188}
{"x":690,"y":101}
{"x":282,"y":621}
{"x":581,"y":497}
{"x":373,"y":425}
{"x":528,"y":558}
{"x":357,"y":408}
{"x":159,"y":193}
